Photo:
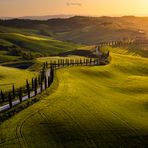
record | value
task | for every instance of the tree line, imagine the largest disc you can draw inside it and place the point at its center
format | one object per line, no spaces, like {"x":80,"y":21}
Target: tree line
{"x":43,"y":81}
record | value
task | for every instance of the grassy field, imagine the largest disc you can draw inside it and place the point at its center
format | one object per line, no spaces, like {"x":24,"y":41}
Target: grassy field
{"x":10,"y":76}
{"x":100,"y":106}
{"x":34,"y":43}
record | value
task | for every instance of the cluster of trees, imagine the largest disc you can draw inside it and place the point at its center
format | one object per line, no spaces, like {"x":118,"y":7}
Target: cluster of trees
{"x":18,"y":51}
{"x":25,"y":54}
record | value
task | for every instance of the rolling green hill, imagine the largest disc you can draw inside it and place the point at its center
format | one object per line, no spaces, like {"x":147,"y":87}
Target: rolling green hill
{"x":28,"y":39}
{"x":99,"y":106}
{"x":86,"y":30}
{"x":19,"y":44}
{"x":43,"y":45}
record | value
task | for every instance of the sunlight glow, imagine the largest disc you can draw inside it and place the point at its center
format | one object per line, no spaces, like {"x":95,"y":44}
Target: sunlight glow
{"x":80,"y":7}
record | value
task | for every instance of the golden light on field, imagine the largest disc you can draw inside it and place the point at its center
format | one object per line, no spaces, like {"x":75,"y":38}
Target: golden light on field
{"x":81,"y":7}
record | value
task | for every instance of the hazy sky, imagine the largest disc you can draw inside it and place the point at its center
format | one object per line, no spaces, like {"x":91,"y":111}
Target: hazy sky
{"x":80,"y":7}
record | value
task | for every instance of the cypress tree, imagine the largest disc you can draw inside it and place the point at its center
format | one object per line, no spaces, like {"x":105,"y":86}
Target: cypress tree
{"x":48,"y":81}
{"x":94,"y":61}
{"x":13,"y":91}
{"x":81,"y":61}
{"x":45,"y":82}
{"x":39,"y":80}
{"x":55,"y":63}
{"x":46,"y":64}
{"x":35,"y":89}
{"x":10,"y":100}
{"x":2,"y":96}
{"x":77,"y":63}
{"x":51,"y":74}
{"x":72,"y":62}
{"x":28,"y":88}
{"x":66,"y":62}
{"x":63,"y":62}
{"x":41,"y":86}
{"x":43,"y":73}
{"x":20,"y":95}
{"x":32,"y":83}
{"x":98,"y":61}
{"x":58,"y":63}
{"x":90,"y":60}
{"x":85,"y":61}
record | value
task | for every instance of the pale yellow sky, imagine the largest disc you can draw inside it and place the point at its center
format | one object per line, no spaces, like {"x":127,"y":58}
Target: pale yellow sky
{"x":80,"y":7}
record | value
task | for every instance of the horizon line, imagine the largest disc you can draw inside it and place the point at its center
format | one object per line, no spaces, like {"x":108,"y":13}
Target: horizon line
{"x":85,"y":15}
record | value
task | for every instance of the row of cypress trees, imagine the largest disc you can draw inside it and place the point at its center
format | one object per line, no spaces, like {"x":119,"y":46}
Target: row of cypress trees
{"x":37,"y":85}
{"x":38,"y":81}
{"x":116,"y":43}
{"x":43,"y":81}
{"x":74,"y":62}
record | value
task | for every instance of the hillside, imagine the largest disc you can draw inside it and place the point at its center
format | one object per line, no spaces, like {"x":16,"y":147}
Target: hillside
{"x":86,"y":30}
{"x":36,"y":44}
{"x":99,"y":106}
{"x":45,"y":17}
{"x":18,"y":44}
{"x":22,"y":39}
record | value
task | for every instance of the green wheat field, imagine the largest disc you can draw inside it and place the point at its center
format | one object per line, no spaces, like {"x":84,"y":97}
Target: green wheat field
{"x":86,"y":106}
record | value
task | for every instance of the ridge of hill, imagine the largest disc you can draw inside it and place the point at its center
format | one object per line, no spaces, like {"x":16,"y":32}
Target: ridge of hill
{"x":86,"y":30}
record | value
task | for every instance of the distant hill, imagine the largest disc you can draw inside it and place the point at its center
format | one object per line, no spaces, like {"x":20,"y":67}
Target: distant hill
{"x":45,"y":17}
{"x":85,"y":30}
{"x":27,"y":39}
{"x":6,"y":18}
